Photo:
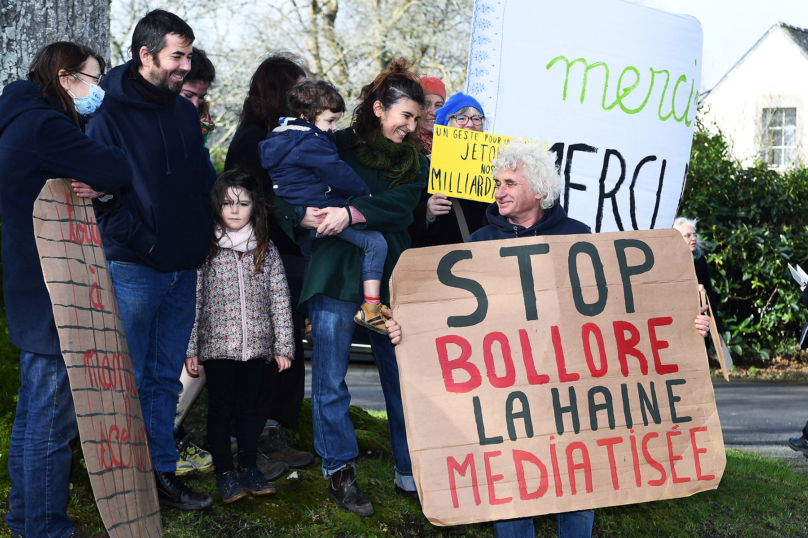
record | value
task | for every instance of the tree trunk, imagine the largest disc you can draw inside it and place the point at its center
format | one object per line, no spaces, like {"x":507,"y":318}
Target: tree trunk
{"x":28,"y":25}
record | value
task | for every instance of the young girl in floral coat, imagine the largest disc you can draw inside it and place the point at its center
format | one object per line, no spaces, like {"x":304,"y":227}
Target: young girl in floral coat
{"x":243,"y":324}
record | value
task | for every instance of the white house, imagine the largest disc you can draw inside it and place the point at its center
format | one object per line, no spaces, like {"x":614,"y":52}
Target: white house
{"x":760,"y":104}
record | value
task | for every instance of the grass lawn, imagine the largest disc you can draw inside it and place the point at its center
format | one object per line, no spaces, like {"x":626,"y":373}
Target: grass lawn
{"x":757,"y":497}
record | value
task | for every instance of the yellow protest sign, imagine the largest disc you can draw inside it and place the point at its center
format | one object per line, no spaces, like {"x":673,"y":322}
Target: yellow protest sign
{"x":461,"y":163}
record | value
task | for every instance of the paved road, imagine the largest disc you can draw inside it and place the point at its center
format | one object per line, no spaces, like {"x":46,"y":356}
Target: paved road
{"x":760,"y":417}
{"x":755,"y":416}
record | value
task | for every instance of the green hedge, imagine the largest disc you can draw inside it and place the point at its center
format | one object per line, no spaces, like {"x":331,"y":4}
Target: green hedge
{"x":755,"y":219}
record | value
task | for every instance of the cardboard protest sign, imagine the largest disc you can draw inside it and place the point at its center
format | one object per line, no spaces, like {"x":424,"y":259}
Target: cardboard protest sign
{"x":555,"y":373}
{"x":461,"y":163}
{"x":612,"y":87}
{"x":102,"y":379}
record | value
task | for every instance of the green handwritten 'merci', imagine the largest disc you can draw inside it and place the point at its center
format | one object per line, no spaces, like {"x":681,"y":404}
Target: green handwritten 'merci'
{"x":622,"y":92}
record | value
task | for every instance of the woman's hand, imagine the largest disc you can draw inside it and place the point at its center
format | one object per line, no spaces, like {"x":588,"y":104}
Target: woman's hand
{"x":310,"y":219}
{"x":393,"y":328}
{"x":437,"y":205}
{"x":83,"y":190}
{"x":192,"y":366}
{"x":703,"y":322}
{"x":335,"y":220}
{"x":283,"y":362}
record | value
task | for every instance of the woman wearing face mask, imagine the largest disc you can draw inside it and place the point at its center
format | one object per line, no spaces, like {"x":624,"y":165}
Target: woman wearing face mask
{"x":437,"y":219}
{"x":42,"y":136}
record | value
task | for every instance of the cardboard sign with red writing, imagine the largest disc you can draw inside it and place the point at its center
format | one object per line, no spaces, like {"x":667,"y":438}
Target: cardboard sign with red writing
{"x":555,"y":373}
{"x":102,"y":379}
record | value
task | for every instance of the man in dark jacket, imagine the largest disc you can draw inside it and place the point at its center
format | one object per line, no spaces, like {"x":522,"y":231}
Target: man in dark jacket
{"x":162,"y":230}
{"x":528,"y":188}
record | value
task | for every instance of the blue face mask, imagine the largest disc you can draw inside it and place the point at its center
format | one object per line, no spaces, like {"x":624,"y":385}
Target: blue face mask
{"x":87,"y":105}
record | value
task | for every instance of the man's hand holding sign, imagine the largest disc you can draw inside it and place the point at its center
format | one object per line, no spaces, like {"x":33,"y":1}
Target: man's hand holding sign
{"x":558,"y":372}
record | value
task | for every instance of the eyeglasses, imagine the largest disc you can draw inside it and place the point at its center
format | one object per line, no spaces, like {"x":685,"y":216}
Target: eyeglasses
{"x":463,"y":120}
{"x":693,"y":235}
{"x":97,"y":79}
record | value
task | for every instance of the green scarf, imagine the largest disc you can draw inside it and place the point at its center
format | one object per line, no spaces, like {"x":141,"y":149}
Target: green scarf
{"x":398,"y":163}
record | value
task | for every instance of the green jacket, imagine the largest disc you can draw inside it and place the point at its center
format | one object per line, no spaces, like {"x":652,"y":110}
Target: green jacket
{"x":334,"y":268}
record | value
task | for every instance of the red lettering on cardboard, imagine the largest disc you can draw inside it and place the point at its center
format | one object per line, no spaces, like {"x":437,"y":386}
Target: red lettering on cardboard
{"x":447,"y":366}
{"x":628,"y":346}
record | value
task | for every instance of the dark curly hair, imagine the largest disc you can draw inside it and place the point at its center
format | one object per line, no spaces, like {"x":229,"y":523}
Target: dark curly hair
{"x":395,"y":83}
{"x":44,"y":72}
{"x":243,"y":179}
{"x":310,"y":98}
{"x":266,"y":100}
{"x":201,"y":68}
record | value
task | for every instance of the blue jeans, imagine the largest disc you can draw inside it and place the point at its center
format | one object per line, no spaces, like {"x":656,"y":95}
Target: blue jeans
{"x":158,"y":311}
{"x":334,"y":436}
{"x":570,"y":525}
{"x":372,"y":244}
{"x":39,"y":456}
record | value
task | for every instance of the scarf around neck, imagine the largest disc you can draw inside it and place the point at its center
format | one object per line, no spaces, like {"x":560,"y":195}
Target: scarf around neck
{"x":398,"y":163}
{"x":147,"y":90}
{"x":240,"y":240}
{"x":426,"y":142}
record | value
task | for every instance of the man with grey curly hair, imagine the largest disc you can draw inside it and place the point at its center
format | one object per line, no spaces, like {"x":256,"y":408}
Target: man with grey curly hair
{"x":528,"y":187}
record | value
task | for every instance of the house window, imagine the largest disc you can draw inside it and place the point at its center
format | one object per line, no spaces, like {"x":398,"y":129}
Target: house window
{"x":780,"y":136}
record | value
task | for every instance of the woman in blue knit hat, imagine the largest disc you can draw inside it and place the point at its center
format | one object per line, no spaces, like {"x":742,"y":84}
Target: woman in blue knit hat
{"x":438,"y":220}
{"x":462,"y":111}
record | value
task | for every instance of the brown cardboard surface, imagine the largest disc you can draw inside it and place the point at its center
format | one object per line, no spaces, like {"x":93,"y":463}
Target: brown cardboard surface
{"x":102,"y":380}
{"x":484,"y":437}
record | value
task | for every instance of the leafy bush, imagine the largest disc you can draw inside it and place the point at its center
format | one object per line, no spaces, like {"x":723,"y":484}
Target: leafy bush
{"x":756,"y":222}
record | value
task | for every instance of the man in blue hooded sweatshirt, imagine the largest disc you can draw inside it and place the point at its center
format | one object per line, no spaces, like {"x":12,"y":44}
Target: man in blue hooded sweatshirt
{"x":528,"y":187}
{"x":162,"y":230}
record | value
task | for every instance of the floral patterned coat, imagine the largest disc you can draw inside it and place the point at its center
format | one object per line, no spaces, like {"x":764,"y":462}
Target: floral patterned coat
{"x":241,"y":315}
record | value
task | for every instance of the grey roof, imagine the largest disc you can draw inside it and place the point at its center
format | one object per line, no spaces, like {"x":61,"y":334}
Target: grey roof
{"x":800,"y":35}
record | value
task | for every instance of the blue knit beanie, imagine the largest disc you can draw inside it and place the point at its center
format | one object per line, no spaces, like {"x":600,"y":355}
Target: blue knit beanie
{"x":456,"y":102}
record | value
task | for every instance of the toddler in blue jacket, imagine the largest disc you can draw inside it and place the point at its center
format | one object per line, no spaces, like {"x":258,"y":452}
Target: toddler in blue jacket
{"x":301,"y":158}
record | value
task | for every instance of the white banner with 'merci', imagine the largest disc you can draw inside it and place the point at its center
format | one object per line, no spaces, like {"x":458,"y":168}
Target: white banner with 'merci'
{"x":611,"y":86}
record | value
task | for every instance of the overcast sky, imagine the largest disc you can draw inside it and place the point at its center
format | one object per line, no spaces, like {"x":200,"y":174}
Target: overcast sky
{"x":732,"y":27}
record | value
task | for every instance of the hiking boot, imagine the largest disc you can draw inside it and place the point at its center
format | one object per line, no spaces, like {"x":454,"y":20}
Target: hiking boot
{"x":370,"y":317}
{"x":254,"y":481}
{"x":172,"y":492}
{"x":229,"y":488}
{"x":274,"y":444}
{"x":192,"y":458}
{"x":80,"y":533}
{"x":800,"y":444}
{"x":346,"y":493}
{"x":307,"y":331}
{"x":272,"y":469}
